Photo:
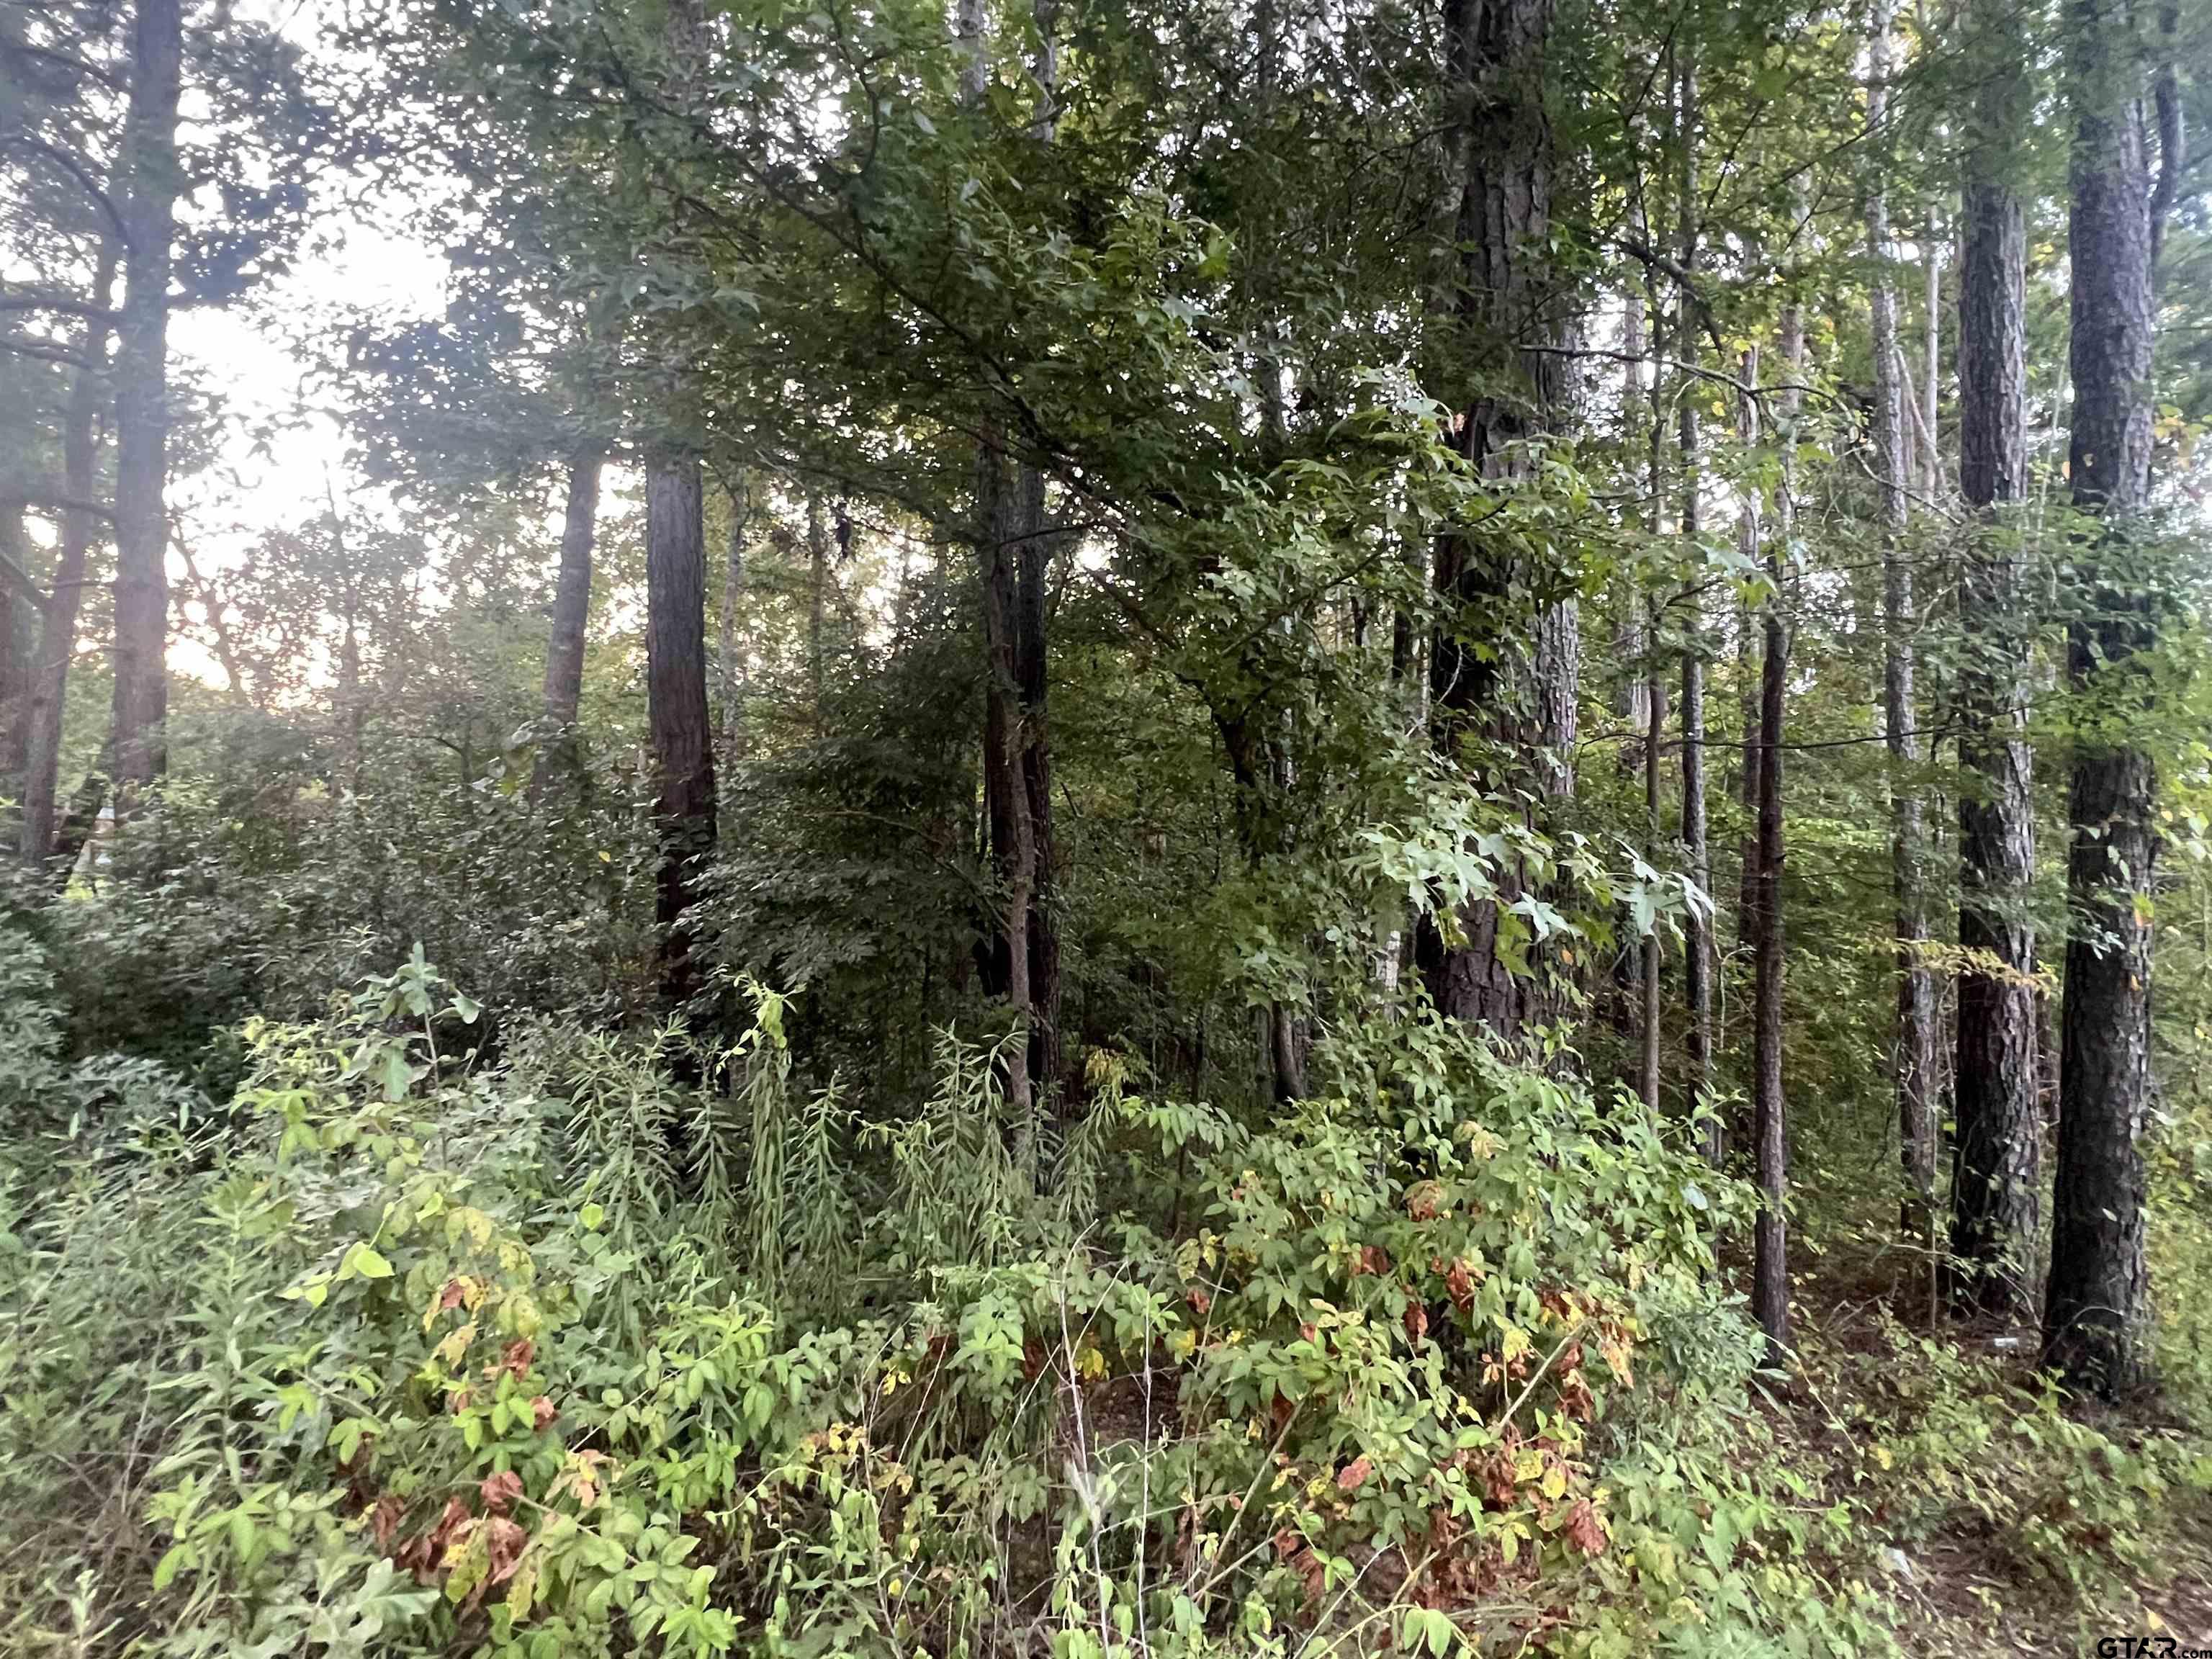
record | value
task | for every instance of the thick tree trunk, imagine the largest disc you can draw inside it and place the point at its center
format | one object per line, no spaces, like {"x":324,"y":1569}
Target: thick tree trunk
{"x":1996,"y":1177}
{"x":2095,"y":1313}
{"x":1770,"y":1293}
{"x":572,"y":612}
{"x":1499,"y":163}
{"x":141,"y":406}
{"x":1913,"y":1058}
{"x":675,"y":696}
{"x":80,"y":529}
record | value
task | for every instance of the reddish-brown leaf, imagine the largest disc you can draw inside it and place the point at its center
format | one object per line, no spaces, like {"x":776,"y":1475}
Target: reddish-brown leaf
{"x":504,"y":1542}
{"x":1459,"y":1284}
{"x":1355,"y":1474}
{"x":499,"y":1491}
{"x":1584,"y":1530}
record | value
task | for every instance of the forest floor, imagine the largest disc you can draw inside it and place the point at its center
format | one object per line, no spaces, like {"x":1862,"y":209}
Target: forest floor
{"x":1964,"y":1587}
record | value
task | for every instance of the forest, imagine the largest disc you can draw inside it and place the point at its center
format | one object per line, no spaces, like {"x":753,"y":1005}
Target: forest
{"x":1235,"y":830}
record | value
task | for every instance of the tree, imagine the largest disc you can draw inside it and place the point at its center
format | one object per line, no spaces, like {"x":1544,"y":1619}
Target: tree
{"x":1770,"y":1289}
{"x":142,"y":403}
{"x":1916,"y":987}
{"x":2095,"y":1306}
{"x":682,"y":735}
{"x":1994,"y":1182}
{"x":1504,"y":307}
{"x":80,"y":529}
{"x":675,"y":616}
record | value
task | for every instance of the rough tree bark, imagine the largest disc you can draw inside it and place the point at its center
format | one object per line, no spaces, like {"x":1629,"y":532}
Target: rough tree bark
{"x":1995,"y":1162}
{"x":80,"y":529}
{"x":2095,"y":1314}
{"x":141,"y":405}
{"x":1913,"y":1058}
{"x":1499,"y":163}
{"x":572,"y":609}
{"x":676,"y":635}
{"x":676,"y":697}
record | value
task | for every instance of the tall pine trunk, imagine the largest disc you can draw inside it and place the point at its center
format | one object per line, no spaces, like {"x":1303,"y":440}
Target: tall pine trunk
{"x":1995,"y":1165}
{"x":42,"y":757}
{"x":141,"y":405}
{"x":2093,"y":1315}
{"x":1914,"y":1038}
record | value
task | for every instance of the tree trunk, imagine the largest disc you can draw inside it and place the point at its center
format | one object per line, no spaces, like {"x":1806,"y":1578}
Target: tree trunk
{"x":675,"y":696}
{"x":727,"y":661}
{"x":1000,"y":516}
{"x":21,"y":608}
{"x":80,"y":529}
{"x":1749,"y":629}
{"x":572,"y":609}
{"x":1499,"y":162}
{"x":1914,"y":1039}
{"x":1996,"y":1178}
{"x":1654,"y":706}
{"x":2094,"y":1317}
{"x":1770,"y":1293}
{"x":1931,"y":372}
{"x":141,"y":406}
{"x":1013,"y":560}
{"x":818,"y":594}
{"x":1697,"y":933}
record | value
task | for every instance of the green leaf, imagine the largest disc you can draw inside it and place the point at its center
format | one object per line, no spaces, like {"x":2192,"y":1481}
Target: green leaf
{"x":364,"y":1262}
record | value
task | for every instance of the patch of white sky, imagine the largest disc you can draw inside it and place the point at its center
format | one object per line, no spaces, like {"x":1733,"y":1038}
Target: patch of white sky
{"x":280,"y":453}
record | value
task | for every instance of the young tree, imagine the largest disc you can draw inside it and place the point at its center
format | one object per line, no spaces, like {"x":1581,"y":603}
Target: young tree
{"x":1697,"y":935}
{"x":1770,"y":1287}
{"x":80,"y":530}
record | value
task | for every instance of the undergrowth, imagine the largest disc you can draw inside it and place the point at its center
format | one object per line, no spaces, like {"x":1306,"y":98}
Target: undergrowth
{"x":409,"y":1348}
